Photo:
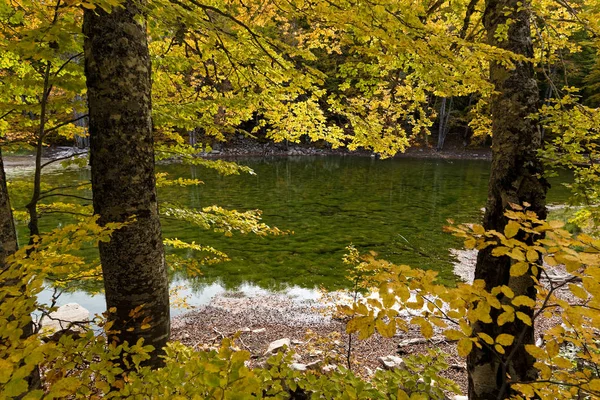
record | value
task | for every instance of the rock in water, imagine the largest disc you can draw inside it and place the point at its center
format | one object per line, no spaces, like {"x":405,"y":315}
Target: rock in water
{"x":392,"y":362}
{"x":278,"y":344}
{"x":65,"y":316}
{"x":298,"y":366}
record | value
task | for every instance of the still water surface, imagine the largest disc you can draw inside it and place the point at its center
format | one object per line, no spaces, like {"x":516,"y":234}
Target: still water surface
{"x":396,"y":208}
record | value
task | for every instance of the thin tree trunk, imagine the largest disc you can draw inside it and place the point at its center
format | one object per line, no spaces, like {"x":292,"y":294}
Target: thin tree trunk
{"x":8,"y":235}
{"x":8,"y":246}
{"x":444,"y":127}
{"x":466,"y":135}
{"x":117,"y":66}
{"x":515,"y":178}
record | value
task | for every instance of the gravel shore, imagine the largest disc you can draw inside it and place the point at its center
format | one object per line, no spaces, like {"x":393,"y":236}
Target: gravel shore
{"x":263,"y":319}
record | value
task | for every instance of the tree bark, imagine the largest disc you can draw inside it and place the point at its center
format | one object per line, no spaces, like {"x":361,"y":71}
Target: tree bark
{"x":117,"y":67}
{"x":8,"y":235}
{"x":515,"y":178}
{"x":8,"y":246}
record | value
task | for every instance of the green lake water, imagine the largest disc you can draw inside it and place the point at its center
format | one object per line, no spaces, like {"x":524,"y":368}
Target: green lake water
{"x":395,"y":207}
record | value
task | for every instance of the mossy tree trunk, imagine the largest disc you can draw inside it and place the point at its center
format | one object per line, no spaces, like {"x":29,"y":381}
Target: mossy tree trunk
{"x":515,"y":178}
{"x":117,"y":67}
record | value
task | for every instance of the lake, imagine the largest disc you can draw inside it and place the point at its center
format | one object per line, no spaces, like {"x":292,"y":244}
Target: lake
{"x":395,"y":207}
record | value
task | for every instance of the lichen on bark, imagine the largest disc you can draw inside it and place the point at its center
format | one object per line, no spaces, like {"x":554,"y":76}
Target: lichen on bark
{"x":117,"y":68}
{"x":515,"y":178}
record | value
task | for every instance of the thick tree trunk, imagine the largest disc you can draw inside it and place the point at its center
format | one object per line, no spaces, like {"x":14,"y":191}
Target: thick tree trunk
{"x":8,"y":246}
{"x":514,"y":179}
{"x":117,"y":67}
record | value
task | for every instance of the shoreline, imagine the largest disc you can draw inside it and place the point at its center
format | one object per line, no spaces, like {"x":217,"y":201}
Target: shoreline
{"x":270,"y":150}
{"x":262,"y":319}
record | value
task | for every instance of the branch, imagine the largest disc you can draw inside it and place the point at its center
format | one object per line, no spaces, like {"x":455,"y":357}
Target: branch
{"x":65,"y":212}
{"x":64,"y":195}
{"x":6,"y":114}
{"x":434,"y":7}
{"x":62,"y":158}
{"x":65,"y":187}
{"x":66,"y":123}
{"x":463,"y":31}
{"x":67,"y":62}
{"x":206,"y":8}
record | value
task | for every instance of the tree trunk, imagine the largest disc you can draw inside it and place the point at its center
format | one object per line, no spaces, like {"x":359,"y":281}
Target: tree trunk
{"x":8,"y":235}
{"x":117,"y":67}
{"x":514,"y":179}
{"x":8,"y":246}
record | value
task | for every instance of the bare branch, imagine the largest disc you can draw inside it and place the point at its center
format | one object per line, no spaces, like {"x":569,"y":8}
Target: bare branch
{"x":65,"y":123}
{"x":61,"y":159}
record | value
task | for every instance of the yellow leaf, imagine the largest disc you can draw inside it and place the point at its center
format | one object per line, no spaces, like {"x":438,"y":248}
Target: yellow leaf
{"x":426,"y":330}
{"x":511,"y":229}
{"x":470,"y":243}
{"x":523,"y":301}
{"x":386,"y":330}
{"x":536,"y":351}
{"x":505,"y":339}
{"x":486,"y":338}
{"x":519,"y":269}
{"x":505,"y":317}
{"x":517,"y":254}
{"x":6,"y":369}
{"x":500,"y":251}
{"x":478,"y":229}
{"x":499,"y":348}
{"x":464,"y":347}
{"x":145,"y":326}
{"x":532,"y":255}
{"x":552,"y":348}
{"x":507,"y":291}
{"x":578,"y":291}
{"x":524,"y":317}
{"x":594,"y":385}
{"x":453,"y":334}
{"x":515,"y":206}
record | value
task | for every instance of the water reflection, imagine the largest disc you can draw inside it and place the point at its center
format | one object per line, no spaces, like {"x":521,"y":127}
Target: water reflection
{"x":396,"y":208}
